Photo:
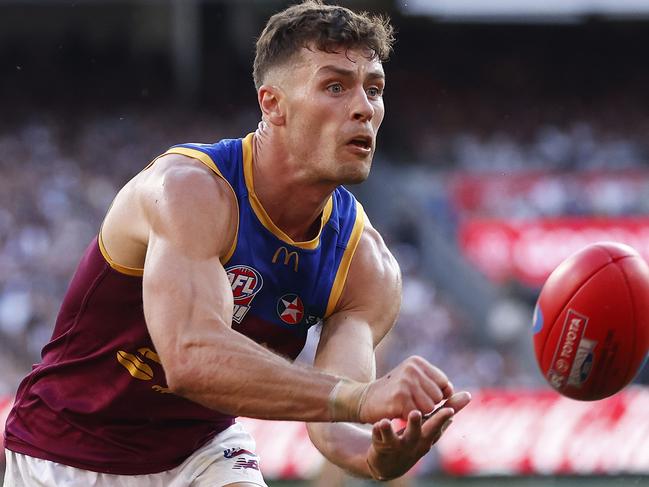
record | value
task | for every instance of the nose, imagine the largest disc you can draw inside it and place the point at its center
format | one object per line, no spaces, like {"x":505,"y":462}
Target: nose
{"x":362,"y":109}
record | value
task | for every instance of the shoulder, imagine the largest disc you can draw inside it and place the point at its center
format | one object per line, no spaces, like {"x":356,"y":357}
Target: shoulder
{"x":177,"y":198}
{"x":177,"y":172}
{"x":182,"y":196}
{"x":373,"y":259}
{"x":183,"y":182}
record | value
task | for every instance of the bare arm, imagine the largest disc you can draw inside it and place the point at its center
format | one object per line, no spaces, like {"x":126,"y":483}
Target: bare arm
{"x":188,"y":305}
{"x":368,"y":310}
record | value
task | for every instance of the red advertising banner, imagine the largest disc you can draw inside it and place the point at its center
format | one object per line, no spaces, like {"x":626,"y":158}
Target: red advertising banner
{"x":534,"y":432}
{"x":528,"y":250}
{"x":504,"y":432}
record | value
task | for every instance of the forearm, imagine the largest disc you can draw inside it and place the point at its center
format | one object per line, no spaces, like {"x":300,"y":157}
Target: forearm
{"x":346,"y":348}
{"x":228,"y":372}
{"x":343,"y":444}
{"x":188,"y":308}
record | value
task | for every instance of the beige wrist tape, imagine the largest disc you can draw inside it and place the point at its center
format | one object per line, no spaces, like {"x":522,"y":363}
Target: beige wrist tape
{"x":346,"y":399}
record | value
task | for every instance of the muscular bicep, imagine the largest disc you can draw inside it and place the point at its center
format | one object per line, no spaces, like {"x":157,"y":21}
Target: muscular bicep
{"x":186,"y":294}
{"x":366,"y":312}
{"x":185,"y":297}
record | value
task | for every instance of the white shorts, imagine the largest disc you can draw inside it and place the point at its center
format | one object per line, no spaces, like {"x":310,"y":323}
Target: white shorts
{"x":227,"y":459}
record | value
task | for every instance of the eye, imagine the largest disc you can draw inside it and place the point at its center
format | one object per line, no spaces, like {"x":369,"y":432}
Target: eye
{"x":335,"y":88}
{"x":374,"y":92}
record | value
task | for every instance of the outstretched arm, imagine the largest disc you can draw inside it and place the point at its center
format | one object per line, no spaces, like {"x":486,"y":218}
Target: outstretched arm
{"x":368,"y":310}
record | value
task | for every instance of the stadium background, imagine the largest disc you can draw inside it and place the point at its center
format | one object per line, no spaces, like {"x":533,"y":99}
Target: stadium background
{"x":515,"y":133}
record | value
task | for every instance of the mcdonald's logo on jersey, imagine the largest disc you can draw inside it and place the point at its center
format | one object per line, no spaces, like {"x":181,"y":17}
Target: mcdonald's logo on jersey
{"x":288,"y":256}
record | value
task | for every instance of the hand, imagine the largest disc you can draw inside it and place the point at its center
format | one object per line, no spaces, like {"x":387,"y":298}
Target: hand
{"x":414,"y":384}
{"x":392,"y":454}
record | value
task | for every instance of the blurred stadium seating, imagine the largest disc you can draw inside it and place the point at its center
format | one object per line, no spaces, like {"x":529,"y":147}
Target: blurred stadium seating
{"x":506,"y":146}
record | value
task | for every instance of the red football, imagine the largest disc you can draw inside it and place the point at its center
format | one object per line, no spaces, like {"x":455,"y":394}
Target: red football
{"x":591,"y":321}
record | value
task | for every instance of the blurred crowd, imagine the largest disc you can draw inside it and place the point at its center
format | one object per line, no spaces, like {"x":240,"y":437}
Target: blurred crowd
{"x":58,"y":179}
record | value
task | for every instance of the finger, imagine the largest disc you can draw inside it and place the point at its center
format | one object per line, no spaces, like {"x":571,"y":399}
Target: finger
{"x":388,"y":435}
{"x":427,"y":416}
{"x":448,"y":390}
{"x":444,"y":427}
{"x":432,"y":429}
{"x":412,"y":432}
{"x":432,"y":392}
{"x":458,"y":400}
{"x":376,"y":432}
{"x":440,"y":379}
{"x":424,"y":396}
{"x":382,"y":432}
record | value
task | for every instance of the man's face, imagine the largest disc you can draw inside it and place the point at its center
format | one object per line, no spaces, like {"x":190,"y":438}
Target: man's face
{"x":334,"y":107}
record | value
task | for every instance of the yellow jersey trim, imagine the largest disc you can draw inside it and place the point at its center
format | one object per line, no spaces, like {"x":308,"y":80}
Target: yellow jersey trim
{"x":261,"y":212}
{"x":122,"y":269}
{"x":207,"y":160}
{"x":345,"y":262}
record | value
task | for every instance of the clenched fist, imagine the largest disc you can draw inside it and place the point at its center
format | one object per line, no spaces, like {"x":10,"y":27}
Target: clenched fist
{"x":414,"y":385}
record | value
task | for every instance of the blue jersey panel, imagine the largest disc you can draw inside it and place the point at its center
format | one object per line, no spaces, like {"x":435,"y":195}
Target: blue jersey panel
{"x":281,"y":288}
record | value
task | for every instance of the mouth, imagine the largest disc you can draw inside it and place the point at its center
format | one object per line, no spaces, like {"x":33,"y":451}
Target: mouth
{"x":362,"y":142}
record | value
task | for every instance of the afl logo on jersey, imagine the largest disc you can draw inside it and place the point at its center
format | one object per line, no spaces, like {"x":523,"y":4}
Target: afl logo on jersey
{"x":290,"y":309}
{"x":246,"y":282}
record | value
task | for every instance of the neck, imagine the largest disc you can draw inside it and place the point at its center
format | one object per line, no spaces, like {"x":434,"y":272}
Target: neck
{"x":281,"y":184}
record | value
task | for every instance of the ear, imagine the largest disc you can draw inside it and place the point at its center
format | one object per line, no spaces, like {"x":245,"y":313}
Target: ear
{"x":270,"y":102}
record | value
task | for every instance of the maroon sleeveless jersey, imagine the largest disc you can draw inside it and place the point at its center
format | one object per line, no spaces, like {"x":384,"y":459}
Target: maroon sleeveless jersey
{"x":98,"y":400}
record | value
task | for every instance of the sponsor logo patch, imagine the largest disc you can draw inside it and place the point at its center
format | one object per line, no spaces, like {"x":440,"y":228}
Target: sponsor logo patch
{"x":290,"y":309}
{"x":235,"y":452}
{"x":288,"y":257}
{"x":243,"y":463}
{"x":312,"y":320}
{"x":573,"y":357}
{"x":583,"y":363}
{"x":246,"y":282}
{"x":135,"y":364}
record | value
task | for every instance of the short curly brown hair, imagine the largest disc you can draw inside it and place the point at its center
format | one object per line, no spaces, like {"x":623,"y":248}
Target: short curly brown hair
{"x":326,"y":27}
